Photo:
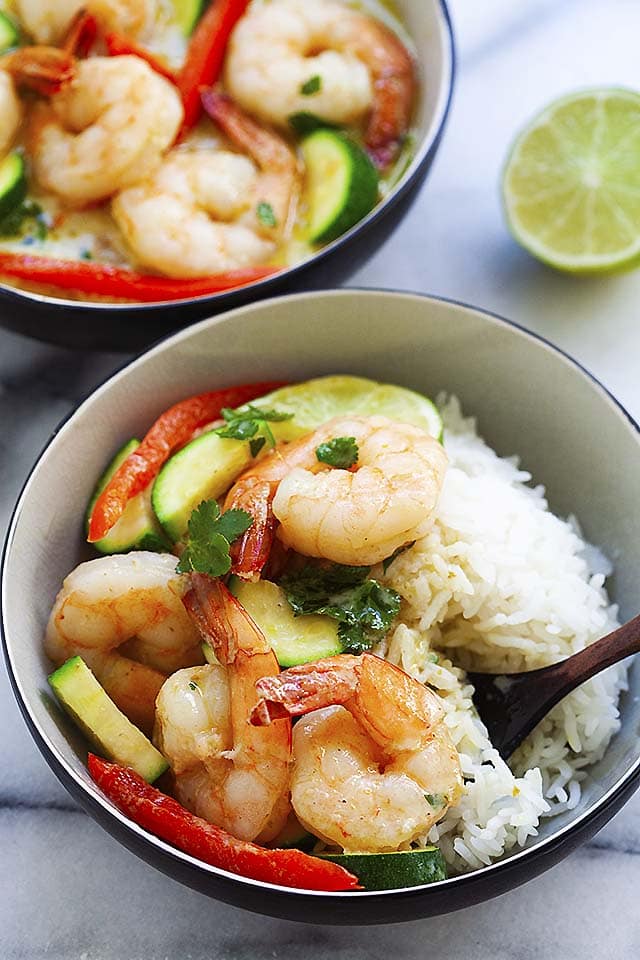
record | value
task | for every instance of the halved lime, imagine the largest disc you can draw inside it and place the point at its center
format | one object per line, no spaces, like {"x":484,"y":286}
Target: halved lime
{"x":571,"y":185}
{"x":316,"y":401}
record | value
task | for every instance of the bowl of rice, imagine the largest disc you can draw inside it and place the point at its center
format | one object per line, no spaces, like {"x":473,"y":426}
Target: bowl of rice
{"x":533,"y":555}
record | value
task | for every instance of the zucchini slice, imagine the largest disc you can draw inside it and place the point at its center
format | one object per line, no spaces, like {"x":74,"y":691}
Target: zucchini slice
{"x":188,"y":12}
{"x":294,"y":640}
{"x":203,"y":470}
{"x":137,"y":528}
{"x":13,"y":183}
{"x":93,"y":710}
{"x":389,"y":871}
{"x":341,"y":184}
{"x":9,"y":33}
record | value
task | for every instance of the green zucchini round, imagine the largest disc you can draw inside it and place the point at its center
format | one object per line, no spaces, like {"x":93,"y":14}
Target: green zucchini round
{"x":341,"y":184}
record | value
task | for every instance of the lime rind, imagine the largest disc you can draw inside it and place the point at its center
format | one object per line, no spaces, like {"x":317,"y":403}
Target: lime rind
{"x":316,"y":401}
{"x":581,"y":159}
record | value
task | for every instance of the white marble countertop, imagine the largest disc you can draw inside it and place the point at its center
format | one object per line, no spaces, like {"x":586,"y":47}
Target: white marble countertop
{"x":70,"y":892}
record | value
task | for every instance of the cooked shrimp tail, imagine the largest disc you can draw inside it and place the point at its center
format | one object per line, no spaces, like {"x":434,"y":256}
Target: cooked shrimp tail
{"x":299,"y":690}
{"x":392,"y":73}
{"x":43,"y":70}
{"x":249,"y":554}
{"x":81,"y":34}
{"x":221,"y":619}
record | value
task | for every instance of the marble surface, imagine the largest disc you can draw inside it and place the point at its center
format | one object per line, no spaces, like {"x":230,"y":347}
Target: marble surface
{"x":70,"y":892}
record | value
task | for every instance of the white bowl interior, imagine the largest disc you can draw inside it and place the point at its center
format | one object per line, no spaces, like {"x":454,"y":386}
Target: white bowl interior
{"x":528,"y":398}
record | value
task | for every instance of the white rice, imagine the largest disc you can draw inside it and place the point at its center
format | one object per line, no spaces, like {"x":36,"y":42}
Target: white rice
{"x":500,"y":583}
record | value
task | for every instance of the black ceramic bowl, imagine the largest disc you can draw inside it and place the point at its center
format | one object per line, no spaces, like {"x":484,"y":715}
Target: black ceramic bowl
{"x":528,"y":397}
{"x":109,"y":326}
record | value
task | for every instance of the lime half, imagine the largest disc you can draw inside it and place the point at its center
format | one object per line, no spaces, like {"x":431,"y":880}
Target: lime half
{"x":571,"y":185}
{"x":314,"y":402}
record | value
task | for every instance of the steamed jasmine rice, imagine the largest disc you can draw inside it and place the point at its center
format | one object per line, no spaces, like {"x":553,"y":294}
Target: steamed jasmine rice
{"x":501,"y":584}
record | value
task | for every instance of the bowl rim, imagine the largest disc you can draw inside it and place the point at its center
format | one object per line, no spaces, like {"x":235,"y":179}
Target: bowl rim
{"x":408,"y":179}
{"x":97,"y":803}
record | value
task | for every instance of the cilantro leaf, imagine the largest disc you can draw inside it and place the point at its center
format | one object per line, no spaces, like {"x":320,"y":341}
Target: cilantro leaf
{"x":363,"y":607}
{"x":210,"y":536}
{"x":239,"y":429}
{"x":312,"y":586}
{"x":25,"y":220}
{"x":233,"y":523}
{"x":311,"y":86}
{"x":256,"y":445}
{"x":341,"y":452}
{"x":273,"y":416}
{"x":304,"y":123}
{"x":248,"y":421}
{"x":266,"y":214}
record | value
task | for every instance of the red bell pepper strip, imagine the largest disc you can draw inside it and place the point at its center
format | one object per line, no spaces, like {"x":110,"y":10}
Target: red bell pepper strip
{"x":81,"y":35}
{"x":165,"y":818}
{"x":121,"y":46}
{"x":172,"y":429}
{"x":205,"y":55}
{"x":103,"y":280}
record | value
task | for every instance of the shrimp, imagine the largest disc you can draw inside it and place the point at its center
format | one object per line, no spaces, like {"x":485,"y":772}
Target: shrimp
{"x":374,"y":766}
{"x":227,"y":771}
{"x":43,"y":70}
{"x":108,"y":128}
{"x":359,"y":68}
{"x":352,"y":517}
{"x":199,"y":214}
{"x":48,"y":21}
{"x":124,"y":616}
{"x":10,"y":113}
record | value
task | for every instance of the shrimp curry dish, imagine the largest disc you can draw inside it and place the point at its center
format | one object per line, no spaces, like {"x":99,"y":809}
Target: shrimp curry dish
{"x":155,"y":150}
{"x":270,"y":652}
{"x":228,"y":641}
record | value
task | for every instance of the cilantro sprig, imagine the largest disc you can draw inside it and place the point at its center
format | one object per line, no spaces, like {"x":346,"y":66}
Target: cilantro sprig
{"x":251,"y":423}
{"x":211,"y":534}
{"x":363,"y":607}
{"x":341,"y":452}
{"x":27,"y":220}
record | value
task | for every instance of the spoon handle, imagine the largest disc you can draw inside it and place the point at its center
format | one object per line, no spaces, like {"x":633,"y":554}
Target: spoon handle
{"x":522,"y":699}
{"x":616,"y":646}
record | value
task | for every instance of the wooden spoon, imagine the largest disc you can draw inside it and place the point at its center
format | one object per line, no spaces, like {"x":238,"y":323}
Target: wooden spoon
{"x":512,"y":704}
